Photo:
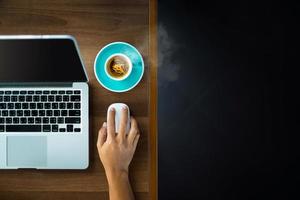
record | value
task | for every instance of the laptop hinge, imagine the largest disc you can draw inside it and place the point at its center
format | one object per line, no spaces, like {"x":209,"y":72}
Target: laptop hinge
{"x":36,"y":84}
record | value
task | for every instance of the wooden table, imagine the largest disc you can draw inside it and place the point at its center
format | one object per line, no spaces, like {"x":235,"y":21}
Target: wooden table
{"x":94,"y":23}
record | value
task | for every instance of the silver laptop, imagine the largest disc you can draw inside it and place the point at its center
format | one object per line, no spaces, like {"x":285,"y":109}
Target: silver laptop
{"x":43,"y":103}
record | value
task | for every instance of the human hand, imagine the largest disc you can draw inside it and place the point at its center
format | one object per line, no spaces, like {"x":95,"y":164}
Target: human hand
{"x":116,"y":150}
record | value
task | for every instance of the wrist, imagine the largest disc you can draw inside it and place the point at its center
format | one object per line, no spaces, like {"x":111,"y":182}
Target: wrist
{"x":116,"y":175}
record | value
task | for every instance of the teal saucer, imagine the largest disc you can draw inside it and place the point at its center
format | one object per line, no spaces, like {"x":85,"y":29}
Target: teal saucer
{"x":137,"y":67}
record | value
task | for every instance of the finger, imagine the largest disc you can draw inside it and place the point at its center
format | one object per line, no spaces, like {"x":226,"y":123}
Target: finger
{"x":135,"y":142}
{"x":123,"y":122}
{"x":134,"y":130}
{"x":111,"y":124}
{"x":102,"y":135}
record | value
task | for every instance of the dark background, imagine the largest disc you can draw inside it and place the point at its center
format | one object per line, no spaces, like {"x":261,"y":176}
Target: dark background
{"x":221,"y":74}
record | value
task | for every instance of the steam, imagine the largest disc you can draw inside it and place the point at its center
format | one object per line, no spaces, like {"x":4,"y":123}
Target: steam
{"x":168,"y":68}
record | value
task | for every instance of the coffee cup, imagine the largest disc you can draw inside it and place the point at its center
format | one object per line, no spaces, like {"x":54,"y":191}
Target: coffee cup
{"x":118,"y":66}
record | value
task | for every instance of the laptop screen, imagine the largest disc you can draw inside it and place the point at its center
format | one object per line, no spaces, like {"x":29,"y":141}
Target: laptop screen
{"x":40,"y":60}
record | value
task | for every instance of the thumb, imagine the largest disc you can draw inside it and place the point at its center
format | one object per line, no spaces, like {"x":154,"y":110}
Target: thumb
{"x":102,"y":135}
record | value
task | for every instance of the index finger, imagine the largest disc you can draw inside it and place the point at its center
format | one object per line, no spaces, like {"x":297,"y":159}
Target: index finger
{"x":111,"y":132}
{"x":123,"y":122}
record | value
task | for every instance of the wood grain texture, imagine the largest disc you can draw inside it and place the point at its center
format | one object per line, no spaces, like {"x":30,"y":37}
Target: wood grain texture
{"x":94,"y":23}
{"x":61,"y":195}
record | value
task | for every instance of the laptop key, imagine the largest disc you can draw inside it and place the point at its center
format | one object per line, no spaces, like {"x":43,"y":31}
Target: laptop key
{"x":7,"y":92}
{"x":43,"y":98}
{"x":41,"y":113}
{"x":38,"y":120}
{"x":76,"y":105}
{"x":45,"y":120}
{"x":54,"y":128}
{"x":6,"y":98}
{"x":17,"y":105}
{"x":72,"y":120}
{"x":69,"y":128}
{"x":66,"y":98}
{"x":53,"y":92}
{"x":36,"y":98}
{"x":46,"y":128}
{"x":21,"y":98}
{"x":54,"y":105}
{"x":61,"y":92}
{"x":47,"y":105}
{"x":23,"y":128}
{"x":2,"y":105}
{"x":50,"y":98}
{"x":49,"y":113}
{"x":46,"y":92}
{"x":77,"y":92}
{"x":56,"y":113}
{"x":12,"y":113}
{"x":76,"y":129}
{"x":69,"y":105}
{"x":62,"y":130}
{"x":10,"y":106}
{"x":40,"y":105}
{"x":31,"y":92}
{"x":69,"y":92}
{"x":23,"y":120}
{"x":64,"y":113}
{"x":24,"y":105}
{"x":34,"y":113}
{"x":62,"y":105}
{"x":58,"y":98}
{"x":1,"y":98}
{"x":60,"y":120}
{"x":53,"y":120}
{"x":1,"y":128}
{"x":74,"y":112}
{"x":14,"y":98}
{"x":75,"y":98}
{"x":30,"y":120}
{"x":1,"y":120}
{"x":15,"y":92}
{"x":19,"y":112}
{"x":38,"y":92}
{"x":16,"y":120}
{"x":8,"y":120}
{"x":4,"y":113}
{"x":26,"y":112}
{"x":23,"y":92}
{"x":28,"y":98}
{"x":32,"y":105}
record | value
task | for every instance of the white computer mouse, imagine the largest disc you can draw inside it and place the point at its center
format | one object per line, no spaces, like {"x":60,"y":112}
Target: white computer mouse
{"x":118,"y":107}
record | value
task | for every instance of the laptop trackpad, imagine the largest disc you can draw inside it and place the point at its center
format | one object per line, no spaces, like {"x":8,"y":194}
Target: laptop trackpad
{"x":26,"y":151}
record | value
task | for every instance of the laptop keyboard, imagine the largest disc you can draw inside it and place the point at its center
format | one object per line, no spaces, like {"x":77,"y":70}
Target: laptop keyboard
{"x":40,"y":111}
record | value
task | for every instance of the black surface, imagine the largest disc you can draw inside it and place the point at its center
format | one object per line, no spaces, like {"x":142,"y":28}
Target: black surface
{"x":40,"y":60}
{"x":221,"y":100}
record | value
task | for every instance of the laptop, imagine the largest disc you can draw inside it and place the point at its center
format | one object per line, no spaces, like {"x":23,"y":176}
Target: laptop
{"x":43,"y":103}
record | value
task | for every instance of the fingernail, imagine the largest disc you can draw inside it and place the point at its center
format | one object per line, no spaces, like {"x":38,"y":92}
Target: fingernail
{"x":104,"y":124}
{"x":124,"y":107}
{"x":112,"y":109}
